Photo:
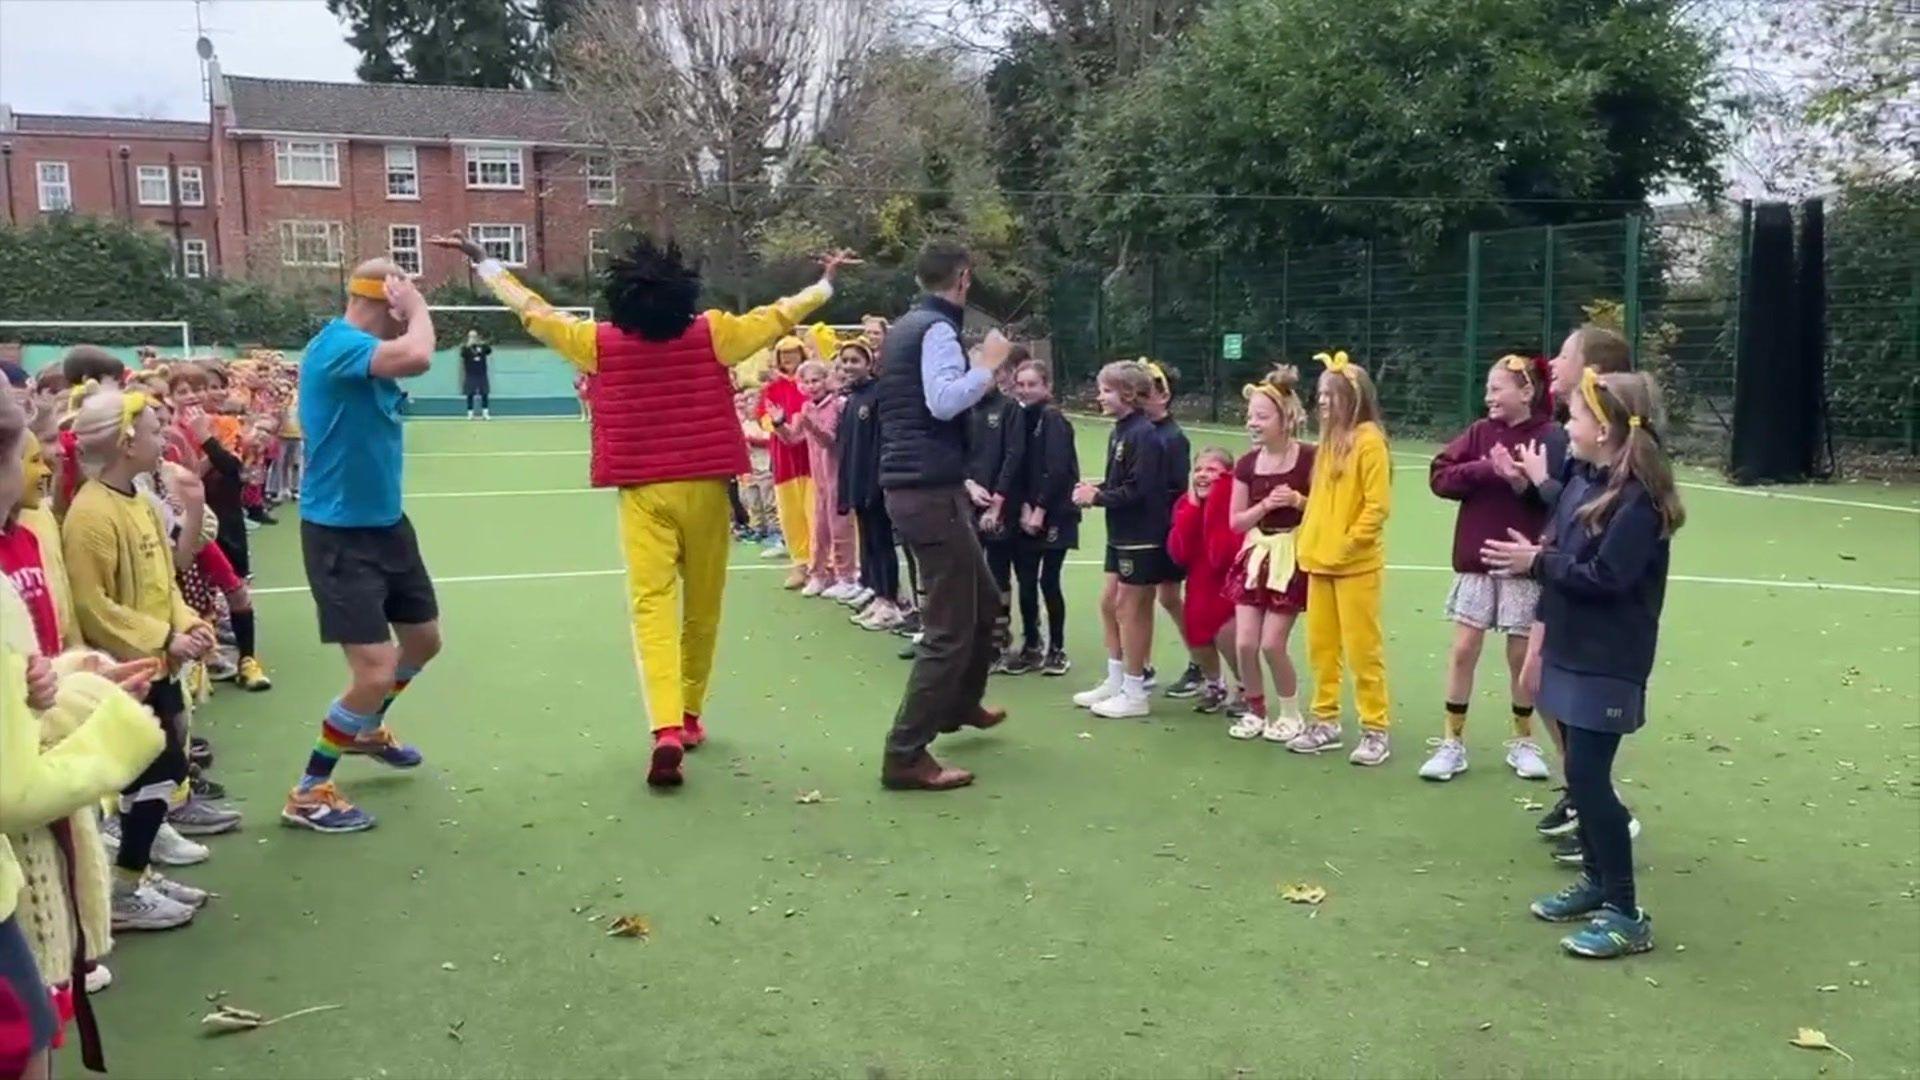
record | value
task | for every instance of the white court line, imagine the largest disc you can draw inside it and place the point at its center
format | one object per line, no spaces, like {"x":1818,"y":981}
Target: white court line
{"x":1691,"y":579}
{"x":504,"y":494}
{"x":494,"y":453}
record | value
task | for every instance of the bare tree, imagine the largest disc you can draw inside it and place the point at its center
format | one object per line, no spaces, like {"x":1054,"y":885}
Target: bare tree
{"x":714,"y":101}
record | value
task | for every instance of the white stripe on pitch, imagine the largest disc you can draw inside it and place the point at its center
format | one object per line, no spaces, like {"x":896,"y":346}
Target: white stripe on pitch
{"x":1690,"y":579}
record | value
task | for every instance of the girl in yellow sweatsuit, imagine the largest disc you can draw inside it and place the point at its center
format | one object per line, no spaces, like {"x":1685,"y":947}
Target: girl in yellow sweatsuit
{"x":1341,"y":549}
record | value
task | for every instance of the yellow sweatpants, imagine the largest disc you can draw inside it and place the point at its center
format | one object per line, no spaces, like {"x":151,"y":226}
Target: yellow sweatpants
{"x":1343,"y":629}
{"x":674,"y":536}
{"x":794,"y":499}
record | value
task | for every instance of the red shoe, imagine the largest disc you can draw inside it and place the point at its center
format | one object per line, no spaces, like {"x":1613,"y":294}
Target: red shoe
{"x":664,"y":771}
{"x":691,"y":733}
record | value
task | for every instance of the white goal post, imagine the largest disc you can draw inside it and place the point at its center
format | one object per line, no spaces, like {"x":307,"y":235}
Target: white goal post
{"x":180,"y":330}
{"x":502,"y":309}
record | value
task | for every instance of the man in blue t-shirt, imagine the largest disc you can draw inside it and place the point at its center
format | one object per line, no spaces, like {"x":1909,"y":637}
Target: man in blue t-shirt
{"x":370,"y":586}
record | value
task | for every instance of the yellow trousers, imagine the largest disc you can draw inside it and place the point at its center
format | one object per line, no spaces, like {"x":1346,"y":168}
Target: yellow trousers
{"x":794,"y":500}
{"x":675,"y":539}
{"x":1343,"y":630}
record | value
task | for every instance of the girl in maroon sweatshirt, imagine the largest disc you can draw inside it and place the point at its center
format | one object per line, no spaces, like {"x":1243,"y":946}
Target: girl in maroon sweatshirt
{"x":1491,"y":509}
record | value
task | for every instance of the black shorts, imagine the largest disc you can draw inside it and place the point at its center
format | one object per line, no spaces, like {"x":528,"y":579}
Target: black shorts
{"x":365,"y":579}
{"x":1141,"y":566}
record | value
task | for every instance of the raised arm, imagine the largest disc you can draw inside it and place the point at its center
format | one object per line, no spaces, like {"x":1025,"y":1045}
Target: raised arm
{"x":736,"y":338}
{"x":574,"y":338}
{"x":411,"y":353}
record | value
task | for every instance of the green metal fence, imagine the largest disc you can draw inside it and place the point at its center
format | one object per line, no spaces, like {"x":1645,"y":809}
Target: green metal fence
{"x":1427,"y":324}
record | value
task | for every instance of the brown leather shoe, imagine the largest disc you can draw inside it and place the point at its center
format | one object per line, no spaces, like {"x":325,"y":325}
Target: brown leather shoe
{"x":988,"y":716}
{"x":923,"y":774}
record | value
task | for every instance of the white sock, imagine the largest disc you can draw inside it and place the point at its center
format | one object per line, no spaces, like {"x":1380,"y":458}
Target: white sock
{"x":1133,"y":685}
{"x":1116,"y":671}
{"x":1288,"y":708}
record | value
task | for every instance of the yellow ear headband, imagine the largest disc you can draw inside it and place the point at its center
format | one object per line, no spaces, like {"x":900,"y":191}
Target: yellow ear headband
{"x":1337,"y":361}
{"x":1590,"y":390}
{"x":367,"y":288}
{"x":132,"y":404}
{"x":1157,"y":374}
{"x":1266,"y":390}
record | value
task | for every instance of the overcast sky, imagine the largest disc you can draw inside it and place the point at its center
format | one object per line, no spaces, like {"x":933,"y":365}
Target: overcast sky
{"x":136,"y":58}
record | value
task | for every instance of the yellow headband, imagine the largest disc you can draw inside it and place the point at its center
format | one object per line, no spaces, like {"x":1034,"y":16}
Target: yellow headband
{"x":132,"y":404}
{"x":367,"y":288}
{"x":1337,"y":361}
{"x":1590,"y":390}
{"x":1156,"y":373}
{"x":1267,"y":390}
{"x":1516,"y":362}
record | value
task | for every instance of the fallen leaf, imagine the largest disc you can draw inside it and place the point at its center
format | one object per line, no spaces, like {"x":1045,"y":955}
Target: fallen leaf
{"x":1653,"y":982}
{"x":807,"y":797}
{"x":1302,"y":894}
{"x":449,"y":966}
{"x":1488,"y":1026}
{"x":1812,"y":1039}
{"x":631,"y":926}
{"x":1084,"y":735}
{"x":1827,"y":989}
{"x":229,"y":1018}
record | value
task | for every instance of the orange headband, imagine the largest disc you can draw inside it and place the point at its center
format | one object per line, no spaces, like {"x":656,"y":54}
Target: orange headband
{"x":367,"y":288}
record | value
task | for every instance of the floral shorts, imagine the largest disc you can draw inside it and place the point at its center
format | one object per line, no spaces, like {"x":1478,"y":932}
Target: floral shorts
{"x":1485,"y":602}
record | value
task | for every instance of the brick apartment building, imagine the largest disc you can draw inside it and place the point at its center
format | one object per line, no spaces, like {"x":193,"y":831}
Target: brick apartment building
{"x":292,"y":180}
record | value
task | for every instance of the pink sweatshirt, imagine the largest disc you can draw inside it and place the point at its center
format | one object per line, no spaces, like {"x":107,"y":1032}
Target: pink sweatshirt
{"x":833,"y":536}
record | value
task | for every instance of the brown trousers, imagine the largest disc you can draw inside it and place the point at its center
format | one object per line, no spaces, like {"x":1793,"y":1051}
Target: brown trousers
{"x":950,"y":669}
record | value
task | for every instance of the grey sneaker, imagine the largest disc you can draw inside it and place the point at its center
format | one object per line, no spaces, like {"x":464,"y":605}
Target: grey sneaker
{"x":1373,"y":749}
{"x":143,"y":907}
{"x":1449,"y":760}
{"x":178,"y":892}
{"x":1319,"y":737}
{"x":198,"y":817}
{"x":1523,"y":757}
{"x":172,"y":849}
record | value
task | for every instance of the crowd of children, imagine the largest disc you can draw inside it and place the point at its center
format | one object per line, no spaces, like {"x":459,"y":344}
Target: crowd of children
{"x":126,"y":499}
{"x":1560,"y":548}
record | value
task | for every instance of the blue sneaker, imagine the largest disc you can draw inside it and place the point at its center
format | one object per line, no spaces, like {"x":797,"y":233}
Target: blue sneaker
{"x":1611,"y":935}
{"x":323,"y":809}
{"x":1571,"y":904}
{"x":380,"y":743}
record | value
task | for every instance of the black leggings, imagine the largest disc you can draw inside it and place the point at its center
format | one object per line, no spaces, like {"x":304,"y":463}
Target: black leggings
{"x":1000,"y":562}
{"x":484,"y":396}
{"x":739,"y":508}
{"x":1039,"y":574}
{"x":1602,"y":817}
{"x":144,"y":803}
{"x":879,"y":566}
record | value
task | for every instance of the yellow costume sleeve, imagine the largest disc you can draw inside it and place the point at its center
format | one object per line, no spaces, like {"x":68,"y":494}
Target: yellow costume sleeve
{"x":115,"y":741}
{"x":736,"y":338}
{"x":574,"y":338}
{"x":1373,"y":464}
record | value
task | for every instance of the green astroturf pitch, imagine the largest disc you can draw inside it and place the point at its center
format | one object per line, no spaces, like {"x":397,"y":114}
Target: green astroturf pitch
{"x":1104,"y":901}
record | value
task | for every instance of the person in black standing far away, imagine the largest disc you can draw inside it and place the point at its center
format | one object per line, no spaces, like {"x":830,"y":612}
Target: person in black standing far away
{"x":926,"y":386}
{"x":473,"y":374}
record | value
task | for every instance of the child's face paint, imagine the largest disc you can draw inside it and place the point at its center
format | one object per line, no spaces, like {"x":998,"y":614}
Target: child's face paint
{"x":1565,"y":367}
{"x":1030,"y":389}
{"x":1586,"y":436}
{"x":1507,"y":399}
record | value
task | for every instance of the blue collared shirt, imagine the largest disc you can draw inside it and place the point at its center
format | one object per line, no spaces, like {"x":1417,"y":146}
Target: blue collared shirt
{"x":950,"y":384}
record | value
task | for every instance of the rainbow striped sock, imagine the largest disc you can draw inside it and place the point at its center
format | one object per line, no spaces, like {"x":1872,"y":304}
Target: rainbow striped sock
{"x":337,"y":732}
{"x":403,"y":677}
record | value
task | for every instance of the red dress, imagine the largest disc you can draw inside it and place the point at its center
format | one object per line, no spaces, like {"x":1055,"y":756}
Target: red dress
{"x":789,"y":458}
{"x":1203,"y":543}
{"x":1260,"y":594}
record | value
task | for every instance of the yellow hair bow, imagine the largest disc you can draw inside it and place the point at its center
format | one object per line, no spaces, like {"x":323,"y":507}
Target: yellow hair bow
{"x":1633,"y":422}
{"x":1155,"y":372}
{"x":1338,"y":361}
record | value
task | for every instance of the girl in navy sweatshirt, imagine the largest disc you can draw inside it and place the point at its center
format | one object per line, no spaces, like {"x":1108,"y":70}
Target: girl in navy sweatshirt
{"x":1491,"y":506}
{"x":1049,"y":521}
{"x":1134,"y":495}
{"x":1603,"y":576}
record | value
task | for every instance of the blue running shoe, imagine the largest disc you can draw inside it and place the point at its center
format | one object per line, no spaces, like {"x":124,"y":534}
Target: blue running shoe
{"x":380,"y":743}
{"x":323,"y":809}
{"x":1611,"y":935}
{"x":1571,"y":904}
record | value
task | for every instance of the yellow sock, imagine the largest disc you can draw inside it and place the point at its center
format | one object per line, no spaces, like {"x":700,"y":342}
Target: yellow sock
{"x":1523,"y":721}
{"x":1456,"y":719}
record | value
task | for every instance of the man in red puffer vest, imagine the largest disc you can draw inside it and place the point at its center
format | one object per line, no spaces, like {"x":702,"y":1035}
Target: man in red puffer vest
{"x":666,"y":435}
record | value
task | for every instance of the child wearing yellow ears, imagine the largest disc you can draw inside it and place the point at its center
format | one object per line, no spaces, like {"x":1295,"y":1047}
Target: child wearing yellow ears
{"x":1341,"y":548}
{"x":780,"y":403}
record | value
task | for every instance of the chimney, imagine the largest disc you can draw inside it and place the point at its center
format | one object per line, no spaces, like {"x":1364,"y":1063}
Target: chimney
{"x":6,"y":116}
{"x":218,"y":84}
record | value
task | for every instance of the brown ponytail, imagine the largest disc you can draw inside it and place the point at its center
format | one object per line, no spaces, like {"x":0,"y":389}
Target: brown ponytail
{"x":1632,"y":415}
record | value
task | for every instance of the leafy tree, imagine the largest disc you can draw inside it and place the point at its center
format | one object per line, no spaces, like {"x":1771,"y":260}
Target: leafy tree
{"x":1463,"y":108}
{"x":488,"y":43}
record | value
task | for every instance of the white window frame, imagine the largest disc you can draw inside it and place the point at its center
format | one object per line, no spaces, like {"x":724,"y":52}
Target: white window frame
{"x":400,"y":253}
{"x":193,"y":178}
{"x":603,"y":180}
{"x":46,"y":188}
{"x":512,"y":158}
{"x":516,"y":237}
{"x":144,"y":175}
{"x":330,"y":233}
{"x":193,"y":249}
{"x":597,"y":253}
{"x":403,"y":160}
{"x":324,"y":152}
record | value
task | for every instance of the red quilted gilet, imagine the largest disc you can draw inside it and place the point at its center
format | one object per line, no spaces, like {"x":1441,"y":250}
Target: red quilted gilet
{"x":663,"y":410}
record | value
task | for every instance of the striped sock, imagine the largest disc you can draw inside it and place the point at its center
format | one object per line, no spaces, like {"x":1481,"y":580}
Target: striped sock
{"x":337,"y":732}
{"x":402,"y":678}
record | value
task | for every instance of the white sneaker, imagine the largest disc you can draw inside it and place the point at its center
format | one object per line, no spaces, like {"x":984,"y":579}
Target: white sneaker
{"x":144,"y":908}
{"x":1374,"y":749}
{"x":1449,"y":759}
{"x":839,"y":591}
{"x":172,"y":849}
{"x":469,"y":414}
{"x":98,"y":978}
{"x":1087,"y":699}
{"x":1124,"y":706}
{"x":1247,"y":727}
{"x":813,"y":587}
{"x":1283,"y":729}
{"x":177,"y":891}
{"x":1523,"y":757}
{"x":486,"y":414}
{"x":1633,"y":827}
